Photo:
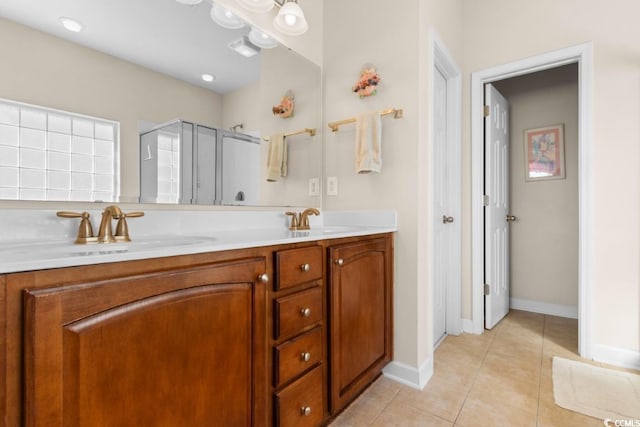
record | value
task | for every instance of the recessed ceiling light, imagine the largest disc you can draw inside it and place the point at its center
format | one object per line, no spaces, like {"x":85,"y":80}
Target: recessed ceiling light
{"x":71,"y":24}
{"x":190,"y":2}
{"x":208,"y":77}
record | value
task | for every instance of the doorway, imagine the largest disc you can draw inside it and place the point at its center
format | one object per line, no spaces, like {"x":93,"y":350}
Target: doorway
{"x":582,"y":56}
{"x":531,"y":232}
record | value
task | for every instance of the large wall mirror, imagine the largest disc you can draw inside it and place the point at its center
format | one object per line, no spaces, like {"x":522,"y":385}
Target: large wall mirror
{"x":139,"y":64}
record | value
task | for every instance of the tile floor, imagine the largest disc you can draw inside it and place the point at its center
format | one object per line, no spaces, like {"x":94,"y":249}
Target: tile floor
{"x":500,"y":378}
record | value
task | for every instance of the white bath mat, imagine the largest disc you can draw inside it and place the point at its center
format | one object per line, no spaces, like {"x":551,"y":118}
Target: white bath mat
{"x":598,"y":392}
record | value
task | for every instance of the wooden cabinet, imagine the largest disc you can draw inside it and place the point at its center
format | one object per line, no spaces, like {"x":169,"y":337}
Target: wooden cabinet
{"x":299,"y":338}
{"x":164,"y":349}
{"x":360,"y":311}
{"x":198,"y":339}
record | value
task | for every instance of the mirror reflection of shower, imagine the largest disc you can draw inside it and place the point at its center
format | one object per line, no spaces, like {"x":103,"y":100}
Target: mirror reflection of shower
{"x":183,"y":162}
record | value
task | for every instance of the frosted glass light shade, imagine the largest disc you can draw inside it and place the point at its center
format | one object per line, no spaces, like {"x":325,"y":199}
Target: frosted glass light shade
{"x":190,"y":2}
{"x":262,"y":39}
{"x":225,"y":18}
{"x":290,"y":20}
{"x":257,"y":6}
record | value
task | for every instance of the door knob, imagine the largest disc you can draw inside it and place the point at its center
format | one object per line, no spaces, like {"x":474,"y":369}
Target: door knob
{"x":447,"y":219}
{"x":511,"y":218}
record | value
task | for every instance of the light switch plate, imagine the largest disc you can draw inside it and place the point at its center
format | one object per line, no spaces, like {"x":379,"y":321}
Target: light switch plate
{"x":332,"y":186}
{"x":314,"y":186}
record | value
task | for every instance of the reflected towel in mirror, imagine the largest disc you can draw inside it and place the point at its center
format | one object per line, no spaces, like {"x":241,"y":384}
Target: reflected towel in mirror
{"x":368,"y":142}
{"x":277,"y":157}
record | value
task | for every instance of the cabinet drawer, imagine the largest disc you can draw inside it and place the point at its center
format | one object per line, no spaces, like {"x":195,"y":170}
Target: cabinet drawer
{"x":296,"y":356}
{"x":295,"y":312}
{"x":301,"y":404}
{"x":296,"y":266}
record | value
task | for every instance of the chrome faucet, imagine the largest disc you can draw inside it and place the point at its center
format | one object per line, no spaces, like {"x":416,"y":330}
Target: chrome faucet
{"x":300,"y":221}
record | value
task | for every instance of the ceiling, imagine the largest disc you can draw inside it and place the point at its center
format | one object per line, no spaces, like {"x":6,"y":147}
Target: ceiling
{"x":163,"y":35}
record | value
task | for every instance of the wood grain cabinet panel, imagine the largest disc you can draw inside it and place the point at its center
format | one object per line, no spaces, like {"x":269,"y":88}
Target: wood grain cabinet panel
{"x":167,"y":349}
{"x":298,"y":311}
{"x":295,"y":356}
{"x":297,"y":266}
{"x":301,"y":404}
{"x":360,"y":316}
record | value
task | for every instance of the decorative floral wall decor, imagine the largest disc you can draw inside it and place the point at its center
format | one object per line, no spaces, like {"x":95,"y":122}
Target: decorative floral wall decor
{"x":284,"y":110}
{"x":368,"y":83}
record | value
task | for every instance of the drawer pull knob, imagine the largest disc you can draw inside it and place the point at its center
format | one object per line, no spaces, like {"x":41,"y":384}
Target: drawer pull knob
{"x":264,"y":278}
{"x":305,"y":267}
{"x":340,"y":262}
{"x":305,"y":312}
{"x":305,"y":410}
{"x":306,"y":356}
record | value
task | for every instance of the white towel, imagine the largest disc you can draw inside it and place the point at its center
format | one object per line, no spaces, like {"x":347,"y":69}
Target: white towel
{"x":277,"y":157}
{"x":368,"y":142}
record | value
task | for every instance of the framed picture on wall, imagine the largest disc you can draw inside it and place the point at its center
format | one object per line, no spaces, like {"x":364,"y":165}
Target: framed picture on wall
{"x":544,"y":153}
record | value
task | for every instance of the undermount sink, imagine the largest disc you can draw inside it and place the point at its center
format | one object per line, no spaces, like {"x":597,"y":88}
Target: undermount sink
{"x":137,"y":244}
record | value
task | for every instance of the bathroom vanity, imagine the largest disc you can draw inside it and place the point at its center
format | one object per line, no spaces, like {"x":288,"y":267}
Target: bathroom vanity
{"x":285,"y":330}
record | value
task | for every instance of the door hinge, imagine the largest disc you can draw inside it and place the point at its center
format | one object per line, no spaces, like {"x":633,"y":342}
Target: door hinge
{"x":486,"y":110}
{"x":487,"y":289}
{"x":485,"y":200}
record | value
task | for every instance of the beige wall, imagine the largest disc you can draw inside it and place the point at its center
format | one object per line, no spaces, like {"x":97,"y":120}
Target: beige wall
{"x":282,"y":70}
{"x":395,"y":40}
{"x":44,"y":70}
{"x":498,"y":32}
{"x":544,"y":239}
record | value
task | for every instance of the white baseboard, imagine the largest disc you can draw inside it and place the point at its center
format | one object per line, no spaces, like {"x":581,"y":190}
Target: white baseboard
{"x":616,"y":356}
{"x":408,"y":375}
{"x":467,"y":326}
{"x":569,"y":311}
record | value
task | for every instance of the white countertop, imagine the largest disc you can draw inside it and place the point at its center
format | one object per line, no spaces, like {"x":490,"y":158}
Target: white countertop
{"x":186,"y":233}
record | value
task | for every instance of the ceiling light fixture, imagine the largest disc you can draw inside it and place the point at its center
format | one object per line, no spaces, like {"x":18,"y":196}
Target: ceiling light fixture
{"x":71,"y":24}
{"x":290,"y":19}
{"x":225,"y":19}
{"x":244,"y":47}
{"x":257,"y":6}
{"x":262,"y":39}
{"x":208,"y":77}
{"x":190,"y":2}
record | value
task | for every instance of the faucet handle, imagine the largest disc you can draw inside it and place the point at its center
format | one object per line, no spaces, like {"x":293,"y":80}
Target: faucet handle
{"x":85,"y":231}
{"x":294,"y":220}
{"x":122,"y":229}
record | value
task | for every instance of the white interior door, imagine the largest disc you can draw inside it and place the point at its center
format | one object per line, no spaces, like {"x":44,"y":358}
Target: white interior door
{"x":441,"y":201}
{"x":496,"y":187}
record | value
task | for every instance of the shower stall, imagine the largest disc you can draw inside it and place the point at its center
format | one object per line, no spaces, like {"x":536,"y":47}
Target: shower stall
{"x":184,"y":162}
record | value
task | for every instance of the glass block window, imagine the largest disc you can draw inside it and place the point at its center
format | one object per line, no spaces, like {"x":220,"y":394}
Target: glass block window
{"x":47,"y":154}
{"x":168,"y":167}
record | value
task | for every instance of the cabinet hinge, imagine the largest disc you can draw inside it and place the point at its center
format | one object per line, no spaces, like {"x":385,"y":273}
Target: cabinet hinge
{"x":485,"y":200}
{"x":487,"y":289}
{"x":486,"y":110}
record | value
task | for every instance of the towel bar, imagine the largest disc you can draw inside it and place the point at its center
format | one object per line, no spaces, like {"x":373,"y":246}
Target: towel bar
{"x":310,"y":131}
{"x":397,"y":114}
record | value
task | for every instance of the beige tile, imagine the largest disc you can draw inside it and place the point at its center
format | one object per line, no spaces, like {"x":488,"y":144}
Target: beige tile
{"x":399,"y":413}
{"x":500,"y":378}
{"x":443,"y":396}
{"x":550,"y":414}
{"x":525,"y":369}
{"x":500,"y":400}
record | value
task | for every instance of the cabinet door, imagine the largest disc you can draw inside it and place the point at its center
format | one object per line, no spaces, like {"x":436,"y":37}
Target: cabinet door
{"x":163,"y":349}
{"x":360,"y":313}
